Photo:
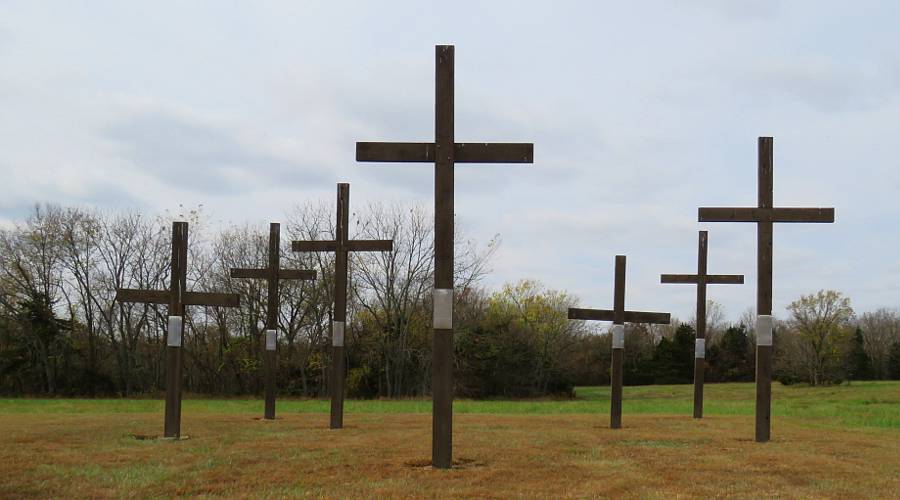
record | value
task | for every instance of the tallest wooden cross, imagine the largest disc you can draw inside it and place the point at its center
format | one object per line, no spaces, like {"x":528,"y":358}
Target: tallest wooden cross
{"x":764,"y":215}
{"x":444,"y":153}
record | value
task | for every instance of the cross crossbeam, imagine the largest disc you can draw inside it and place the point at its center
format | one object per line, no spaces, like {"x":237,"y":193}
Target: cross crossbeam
{"x":610,"y":315}
{"x":273,"y":274}
{"x":177,"y":297}
{"x":187,"y":298}
{"x":701,"y":279}
{"x":342,"y":245}
{"x":619,"y":316}
{"x":424,"y":152}
{"x":444,"y":152}
{"x":764,"y":215}
{"x":710,"y":279}
{"x":283,"y":274}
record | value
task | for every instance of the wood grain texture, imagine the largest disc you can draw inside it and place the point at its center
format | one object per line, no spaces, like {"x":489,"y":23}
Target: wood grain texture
{"x":725,"y":279}
{"x":273,"y":305}
{"x":442,"y":349}
{"x":679,"y":278}
{"x":145,"y":296}
{"x":314,"y":246}
{"x":211,"y":299}
{"x":177,"y":285}
{"x":338,"y":371}
{"x":702,"y":268}
{"x":616,"y":374}
{"x":424,"y":152}
{"x":764,"y":287}
{"x":370,"y":246}
{"x":699,"y":376}
{"x":240,"y":272}
{"x":653,"y":318}
{"x":296,"y":274}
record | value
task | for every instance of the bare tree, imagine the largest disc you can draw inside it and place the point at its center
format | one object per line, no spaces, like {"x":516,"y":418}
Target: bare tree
{"x":715,"y":321}
{"x":132,"y":252}
{"x":394,"y":288}
{"x":310,"y":306}
{"x":80,"y":259}
{"x":31,"y":265}
{"x":880,"y":330}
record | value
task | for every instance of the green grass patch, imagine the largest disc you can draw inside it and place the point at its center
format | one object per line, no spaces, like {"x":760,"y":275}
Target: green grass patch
{"x":860,"y":404}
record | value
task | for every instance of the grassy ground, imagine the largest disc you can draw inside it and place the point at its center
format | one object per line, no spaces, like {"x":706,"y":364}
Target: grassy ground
{"x":834,"y":442}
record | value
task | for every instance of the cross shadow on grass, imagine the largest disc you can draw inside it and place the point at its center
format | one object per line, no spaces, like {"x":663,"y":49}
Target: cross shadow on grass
{"x":156,"y":437}
{"x":458,"y":463}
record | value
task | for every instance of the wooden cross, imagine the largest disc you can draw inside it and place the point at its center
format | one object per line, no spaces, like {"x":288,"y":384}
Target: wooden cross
{"x":273,"y":274}
{"x":701,"y":279}
{"x":177,"y":297}
{"x":619,"y":316}
{"x":444,"y":152}
{"x":342,"y":245}
{"x":764,"y":215}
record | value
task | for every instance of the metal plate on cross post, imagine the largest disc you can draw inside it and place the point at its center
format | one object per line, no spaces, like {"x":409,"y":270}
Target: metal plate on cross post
{"x":618,"y":336}
{"x":699,"y":348}
{"x":764,"y":328}
{"x":270,"y":340}
{"x":443,"y":309}
{"x":175,"y":327}
{"x":337,"y":333}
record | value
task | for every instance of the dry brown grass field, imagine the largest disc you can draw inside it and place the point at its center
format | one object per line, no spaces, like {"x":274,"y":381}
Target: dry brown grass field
{"x":547,"y":449}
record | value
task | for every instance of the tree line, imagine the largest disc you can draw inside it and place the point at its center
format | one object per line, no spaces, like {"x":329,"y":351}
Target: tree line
{"x":62,"y":332}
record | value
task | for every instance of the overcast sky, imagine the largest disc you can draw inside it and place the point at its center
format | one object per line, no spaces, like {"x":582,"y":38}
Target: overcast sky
{"x":640,"y":112}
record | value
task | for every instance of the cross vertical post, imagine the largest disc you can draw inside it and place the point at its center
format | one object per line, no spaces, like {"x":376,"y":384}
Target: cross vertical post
{"x":701,"y":279}
{"x":619,"y":316}
{"x":272,"y":306}
{"x":273,"y":274}
{"x":445,"y":153}
{"x":764,"y":230}
{"x":764,"y":215}
{"x":338,"y":359}
{"x":442,"y":352}
{"x":618,"y":346}
{"x":177,"y":283}
{"x":700,"y":340}
{"x":341,"y":246}
{"x":177,"y":297}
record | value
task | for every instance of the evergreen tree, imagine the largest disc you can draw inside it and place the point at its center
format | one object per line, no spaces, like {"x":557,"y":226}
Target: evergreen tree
{"x":674,"y":358}
{"x":894,"y":362}
{"x":734,"y":358}
{"x":859,"y":366}
{"x":44,"y":335}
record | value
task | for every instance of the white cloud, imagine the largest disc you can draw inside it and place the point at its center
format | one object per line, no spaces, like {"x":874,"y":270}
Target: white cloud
{"x":639,"y":115}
